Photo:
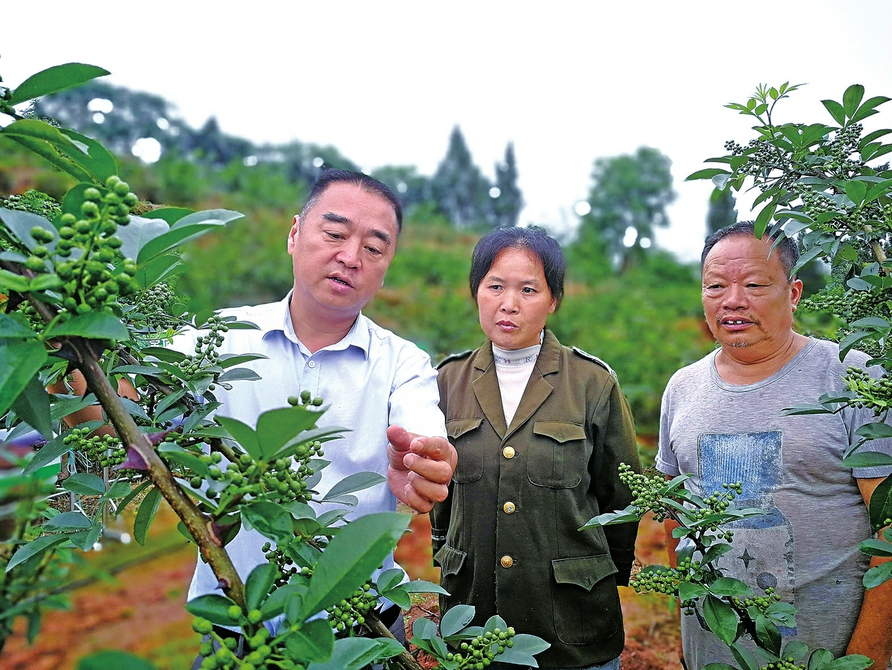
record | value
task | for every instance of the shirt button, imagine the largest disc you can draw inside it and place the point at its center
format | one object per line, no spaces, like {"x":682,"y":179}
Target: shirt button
{"x":509,"y":508}
{"x":506,"y":561}
{"x":508,"y":452}
{"x":311,"y":364}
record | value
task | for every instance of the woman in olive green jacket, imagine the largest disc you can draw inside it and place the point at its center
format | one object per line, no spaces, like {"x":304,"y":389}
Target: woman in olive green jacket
{"x":540,"y":430}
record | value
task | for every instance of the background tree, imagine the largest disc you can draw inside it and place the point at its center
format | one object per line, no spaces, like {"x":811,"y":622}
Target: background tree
{"x":509,"y":200}
{"x":628,"y":200}
{"x":721,"y":212}
{"x":459,"y":188}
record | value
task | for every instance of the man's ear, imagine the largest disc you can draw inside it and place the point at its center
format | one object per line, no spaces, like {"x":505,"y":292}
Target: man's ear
{"x":795,"y":292}
{"x":292,"y":234}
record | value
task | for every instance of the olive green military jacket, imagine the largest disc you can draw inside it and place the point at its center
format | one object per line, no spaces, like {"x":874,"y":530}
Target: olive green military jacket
{"x":507,"y":538}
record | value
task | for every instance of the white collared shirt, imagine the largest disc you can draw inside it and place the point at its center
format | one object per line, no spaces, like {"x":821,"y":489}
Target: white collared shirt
{"x":369,"y":380}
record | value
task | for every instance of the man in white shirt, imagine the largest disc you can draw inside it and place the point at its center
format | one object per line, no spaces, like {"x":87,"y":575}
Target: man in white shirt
{"x":379,"y":386}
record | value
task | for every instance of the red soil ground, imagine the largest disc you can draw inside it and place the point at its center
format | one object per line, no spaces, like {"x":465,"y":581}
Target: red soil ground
{"x":140,"y":609}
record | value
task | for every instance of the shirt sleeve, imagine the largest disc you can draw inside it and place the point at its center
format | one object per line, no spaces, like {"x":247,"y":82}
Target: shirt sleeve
{"x":666,"y":461}
{"x":414,"y":398}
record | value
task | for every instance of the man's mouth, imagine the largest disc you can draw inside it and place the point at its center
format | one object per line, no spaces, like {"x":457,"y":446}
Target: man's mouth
{"x":506,"y":325}
{"x":340,"y":280}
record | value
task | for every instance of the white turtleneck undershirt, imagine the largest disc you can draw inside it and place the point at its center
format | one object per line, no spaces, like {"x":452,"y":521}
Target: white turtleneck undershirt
{"x":513,"y":369}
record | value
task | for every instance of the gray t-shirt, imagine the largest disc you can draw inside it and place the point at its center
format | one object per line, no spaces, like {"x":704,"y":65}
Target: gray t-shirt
{"x":806,"y":547}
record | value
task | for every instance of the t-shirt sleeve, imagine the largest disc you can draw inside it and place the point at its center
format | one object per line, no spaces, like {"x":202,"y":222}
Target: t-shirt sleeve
{"x":666,"y":462}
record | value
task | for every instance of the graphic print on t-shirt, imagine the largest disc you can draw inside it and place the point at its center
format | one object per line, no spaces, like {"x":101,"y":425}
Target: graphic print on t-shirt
{"x":762,"y":554}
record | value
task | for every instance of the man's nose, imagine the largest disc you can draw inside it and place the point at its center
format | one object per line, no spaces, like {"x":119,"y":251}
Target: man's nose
{"x":348,"y":254}
{"x":734,"y":297}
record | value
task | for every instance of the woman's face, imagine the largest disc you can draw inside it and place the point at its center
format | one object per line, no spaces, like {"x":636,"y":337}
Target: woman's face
{"x":514,"y":300}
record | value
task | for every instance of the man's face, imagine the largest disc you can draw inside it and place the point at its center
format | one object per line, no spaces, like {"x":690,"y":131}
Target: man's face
{"x":747,"y":299}
{"x":342,"y":250}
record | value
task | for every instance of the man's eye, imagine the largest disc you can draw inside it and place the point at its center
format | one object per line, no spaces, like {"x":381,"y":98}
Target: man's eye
{"x":335,"y":236}
{"x":374,"y":251}
{"x":495,"y":287}
{"x":528,"y":289}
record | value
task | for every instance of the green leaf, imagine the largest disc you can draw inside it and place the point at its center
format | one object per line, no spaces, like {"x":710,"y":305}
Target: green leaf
{"x":456,"y":619}
{"x":214,"y":608}
{"x":13,"y":329}
{"x":140,"y":231}
{"x":691,"y":591}
{"x":278,"y":427}
{"x":355,"y":482}
{"x":850,"y":662}
{"x":145,"y":515}
{"x":10,"y":281}
{"x":881,"y":503}
{"x":877,"y":575}
{"x":874,"y":431}
{"x":313,"y":642}
{"x":20,"y":223}
{"x":186,"y":229}
{"x":271,"y":520}
{"x":870,"y":322}
{"x":744,"y":657}
{"x":97,"y":160}
{"x":54,"y":79}
{"x":707,"y":173}
{"x":49,"y":153}
{"x":874,"y":547}
{"x":352,"y":653}
{"x":33,"y":548}
{"x":92,"y":325}
{"x":67,"y":521}
{"x":110,"y":658}
{"x":855,"y":191}
{"x":389,"y":579}
{"x":85,"y":484}
{"x":243,"y":434}
{"x":768,"y":635}
{"x":764,"y":218}
{"x":851,"y":98}
{"x":721,"y":619}
{"x":728,"y":586}
{"x":33,"y":407}
{"x":715,"y":551}
{"x":836,"y":110}
{"x":351,"y":556}
{"x":867,"y":459}
{"x":236,"y":374}
{"x":868,"y":108}
{"x":422,"y":586}
{"x":849,"y":341}
{"x":19,"y":363}
{"x":819,"y":659}
{"x":258,"y":584}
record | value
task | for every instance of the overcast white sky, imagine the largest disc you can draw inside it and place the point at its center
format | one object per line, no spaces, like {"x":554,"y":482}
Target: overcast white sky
{"x":567,"y":82}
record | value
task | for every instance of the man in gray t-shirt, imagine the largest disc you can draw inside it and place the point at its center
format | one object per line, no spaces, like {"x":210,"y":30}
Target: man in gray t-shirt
{"x":723,"y":420}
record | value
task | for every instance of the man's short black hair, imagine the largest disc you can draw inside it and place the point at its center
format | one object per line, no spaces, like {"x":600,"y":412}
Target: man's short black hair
{"x":533,"y":239}
{"x":330,"y":176}
{"x":787,"y":250}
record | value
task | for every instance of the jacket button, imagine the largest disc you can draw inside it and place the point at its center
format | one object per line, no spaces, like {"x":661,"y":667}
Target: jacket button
{"x":509,"y":508}
{"x":508,"y":452}
{"x":506,"y":561}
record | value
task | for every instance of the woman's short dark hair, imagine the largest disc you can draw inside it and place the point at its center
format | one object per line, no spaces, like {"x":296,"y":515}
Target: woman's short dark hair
{"x":787,"y":249}
{"x":331,"y":176}
{"x":533,"y":239}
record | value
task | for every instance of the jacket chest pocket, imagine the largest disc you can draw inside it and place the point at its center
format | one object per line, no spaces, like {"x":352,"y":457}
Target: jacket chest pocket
{"x":465,"y":437}
{"x":557,"y":456}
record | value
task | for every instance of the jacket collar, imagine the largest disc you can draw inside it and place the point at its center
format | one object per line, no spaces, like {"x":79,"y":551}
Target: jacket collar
{"x":486,"y":385}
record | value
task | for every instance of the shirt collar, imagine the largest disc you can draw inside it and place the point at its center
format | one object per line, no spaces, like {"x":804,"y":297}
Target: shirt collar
{"x":279,"y":319}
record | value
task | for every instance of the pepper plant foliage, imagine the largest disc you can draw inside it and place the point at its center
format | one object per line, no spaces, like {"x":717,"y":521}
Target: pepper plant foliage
{"x":84,"y":288}
{"x":728,"y":606}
